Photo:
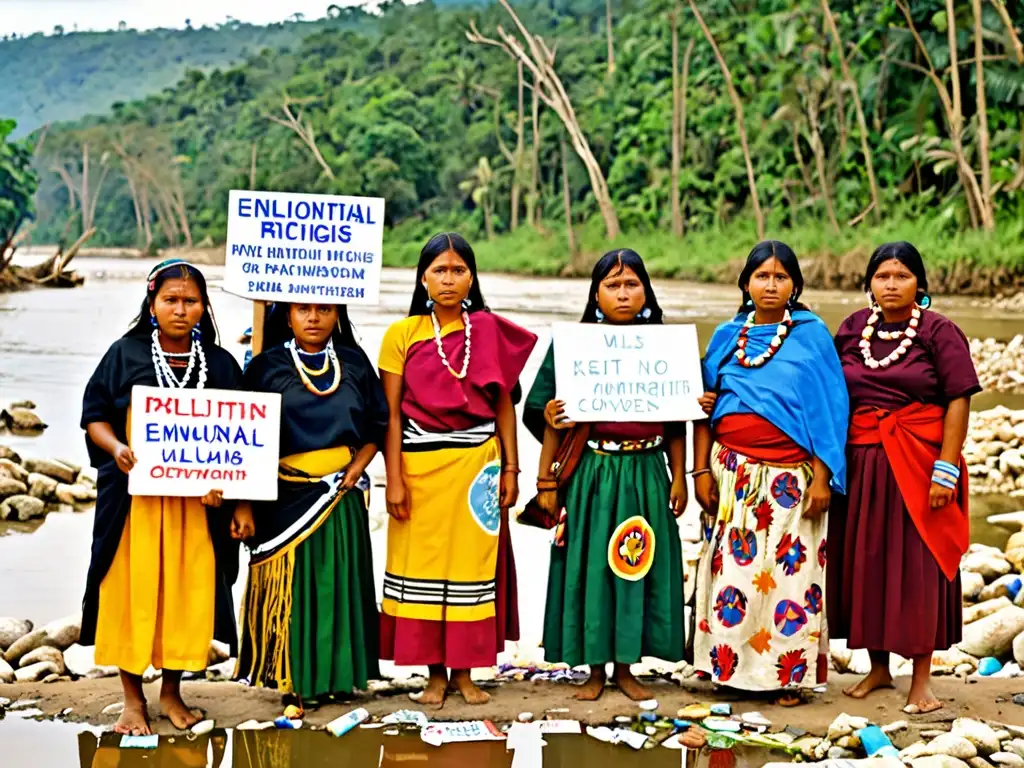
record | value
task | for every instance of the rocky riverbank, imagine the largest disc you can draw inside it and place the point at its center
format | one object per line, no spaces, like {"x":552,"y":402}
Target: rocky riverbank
{"x":1000,"y":364}
{"x":994,"y":451}
{"x":30,"y":488}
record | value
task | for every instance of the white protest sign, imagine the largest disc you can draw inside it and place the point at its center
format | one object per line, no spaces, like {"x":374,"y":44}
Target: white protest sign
{"x":628,"y":373}
{"x":188,"y":442}
{"x":317,"y":249}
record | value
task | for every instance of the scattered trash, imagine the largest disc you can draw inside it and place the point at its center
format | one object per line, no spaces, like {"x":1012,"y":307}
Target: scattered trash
{"x":756,"y":719}
{"x":405,"y":717}
{"x":876,"y":743}
{"x":623,"y":719}
{"x":525,"y":717}
{"x":526,"y":743}
{"x":140,"y":742}
{"x":345,"y":723}
{"x":559,"y":711}
{"x":437,"y":734}
{"x":391,"y":732}
{"x":722,"y":710}
{"x":722,"y":725}
{"x":559,"y":726}
{"x":293,"y":712}
{"x":989,"y":666}
{"x":693,"y":738}
{"x":650,"y":705}
{"x":648,"y":717}
{"x":554,"y":673}
{"x":202,"y":727}
{"x":254,"y":725}
{"x":66,"y":712}
{"x":694,"y":712}
{"x":618,"y":736}
{"x":113,"y":709}
{"x":284,"y":724}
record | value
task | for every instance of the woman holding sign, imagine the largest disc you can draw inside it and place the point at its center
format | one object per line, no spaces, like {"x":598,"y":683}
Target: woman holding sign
{"x":451,"y":372}
{"x":310,"y":614}
{"x":615,"y":586}
{"x":159,"y":583}
{"x":897,"y":537}
{"x":765,"y":467}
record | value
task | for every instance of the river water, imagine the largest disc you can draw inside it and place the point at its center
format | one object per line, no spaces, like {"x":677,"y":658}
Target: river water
{"x":51,"y":340}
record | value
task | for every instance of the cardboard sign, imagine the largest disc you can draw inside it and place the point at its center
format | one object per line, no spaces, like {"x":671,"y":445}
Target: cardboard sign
{"x":188,"y":442}
{"x":628,"y":373}
{"x":315,"y":249}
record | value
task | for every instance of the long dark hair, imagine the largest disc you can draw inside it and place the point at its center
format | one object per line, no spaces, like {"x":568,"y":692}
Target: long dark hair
{"x":276,"y":330}
{"x":907,"y":255}
{"x":772,"y":249}
{"x":436,"y":246}
{"x":617,"y":261}
{"x":175,"y":269}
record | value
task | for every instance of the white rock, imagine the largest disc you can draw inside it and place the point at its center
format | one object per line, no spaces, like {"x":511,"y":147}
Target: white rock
{"x":1007,"y":759}
{"x":23,"y":508}
{"x":1018,"y":647}
{"x":948,"y":661}
{"x":914,"y":751}
{"x":979,"y":762}
{"x":113,"y":709}
{"x":993,"y":635}
{"x":35,"y":672}
{"x":1011,"y":462}
{"x":1013,"y":521}
{"x":982,"y":736}
{"x":1000,"y":587}
{"x":41,"y":486}
{"x":987,"y":608}
{"x":1015,"y":747}
{"x":11,"y":487}
{"x":971,"y":584}
{"x":938,"y":761}
{"x":54,"y":469}
{"x":44,"y":653}
{"x":61,"y":634}
{"x":845,"y":725}
{"x":953,"y":745}
{"x":221,"y":672}
{"x":218,"y":653}
{"x":203,"y":727}
{"x":899,"y":725}
{"x":81,"y":662}
{"x":991,"y":565}
{"x":12,"y":629}
{"x":6,"y":673}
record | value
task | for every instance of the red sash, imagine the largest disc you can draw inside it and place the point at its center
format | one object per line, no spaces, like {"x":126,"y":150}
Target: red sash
{"x":758,"y":439}
{"x":912,"y":438}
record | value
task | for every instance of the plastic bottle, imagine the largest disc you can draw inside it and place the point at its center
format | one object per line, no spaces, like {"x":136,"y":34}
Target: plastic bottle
{"x":876,"y":743}
{"x":346,"y":723}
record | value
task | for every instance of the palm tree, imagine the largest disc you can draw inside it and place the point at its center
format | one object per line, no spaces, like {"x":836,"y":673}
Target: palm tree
{"x":480,"y":187}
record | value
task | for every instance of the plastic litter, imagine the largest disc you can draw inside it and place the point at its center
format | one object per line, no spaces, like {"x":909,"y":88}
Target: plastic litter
{"x":345,"y":723}
{"x":437,"y":734}
{"x":254,"y":725}
{"x":284,"y":724}
{"x":405,"y":717}
{"x":650,"y":705}
{"x":989,"y":666}
{"x":876,"y":743}
{"x":722,"y":710}
{"x":140,"y":742}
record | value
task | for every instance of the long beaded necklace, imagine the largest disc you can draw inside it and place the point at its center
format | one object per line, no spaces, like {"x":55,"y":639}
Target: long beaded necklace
{"x":440,"y":346}
{"x":330,"y":361}
{"x":774,"y":346}
{"x":893,"y":357}
{"x":165,"y":377}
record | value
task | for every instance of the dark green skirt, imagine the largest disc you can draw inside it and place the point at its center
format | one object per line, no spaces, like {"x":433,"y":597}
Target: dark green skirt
{"x":593,"y":615}
{"x":334,"y":623}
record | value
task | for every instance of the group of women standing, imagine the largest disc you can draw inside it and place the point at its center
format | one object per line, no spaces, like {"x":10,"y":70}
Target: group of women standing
{"x":816,"y":451}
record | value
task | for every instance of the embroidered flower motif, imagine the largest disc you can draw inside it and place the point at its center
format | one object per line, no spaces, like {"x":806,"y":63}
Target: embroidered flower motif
{"x":792,"y":667}
{"x":743,"y":546}
{"x":723,"y":662}
{"x":764,"y":515}
{"x":823,"y":552}
{"x":717,"y":562}
{"x":631,"y":549}
{"x":728,"y":459}
{"x":813,"y":600}
{"x":761,"y":642}
{"x":731,"y":606}
{"x":764,"y":582}
{"x":742,"y":482}
{"x":790,"y":618}
{"x":786,"y":490}
{"x":790,"y":554}
{"x":704,"y":626}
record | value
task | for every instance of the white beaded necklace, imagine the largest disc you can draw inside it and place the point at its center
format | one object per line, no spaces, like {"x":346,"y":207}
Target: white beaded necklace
{"x":893,"y":357}
{"x":440,"y":346}
{"x":304,"y":371}
{"x":165,"y":377}
{"x":774,"y":345}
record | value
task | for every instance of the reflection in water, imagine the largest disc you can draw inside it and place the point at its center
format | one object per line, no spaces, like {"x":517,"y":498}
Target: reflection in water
{"x":174,"y":752}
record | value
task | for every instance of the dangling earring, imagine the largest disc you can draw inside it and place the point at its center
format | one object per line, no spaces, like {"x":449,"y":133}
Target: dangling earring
{"x":152,"y":321}
{"x":197,"y":334}
{"x":430,"y":305}
{"x":645,"y":314}
{"x":599,"y":315}
{"x":467,"y":303}
{"x":925,"y":302}
{"x":872,"y":304}
{"x":749,"y":303}
{"x":791,"y":302}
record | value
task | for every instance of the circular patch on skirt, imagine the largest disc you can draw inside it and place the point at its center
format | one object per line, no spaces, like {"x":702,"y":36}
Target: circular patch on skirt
{"x":790,"y":618}
{"x":786,"y":490}
{"x":483,"y":498}
{"x":631,"y":549}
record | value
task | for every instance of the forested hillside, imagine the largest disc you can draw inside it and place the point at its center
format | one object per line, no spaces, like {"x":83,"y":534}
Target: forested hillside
{"x":685,"y":129}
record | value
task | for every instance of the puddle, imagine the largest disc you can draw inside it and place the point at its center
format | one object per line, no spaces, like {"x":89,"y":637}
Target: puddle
{"x":65,"y":745}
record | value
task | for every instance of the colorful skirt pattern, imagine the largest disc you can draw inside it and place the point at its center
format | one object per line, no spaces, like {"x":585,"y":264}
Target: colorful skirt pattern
{"x":761,"y":579}
{"x":615,"y":587}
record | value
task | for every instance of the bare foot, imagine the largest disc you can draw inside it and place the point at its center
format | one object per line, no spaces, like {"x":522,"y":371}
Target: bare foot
{"x":629,"y":685}
{"x":594,"y":687}
{"x":434,"y":694}
{"x":134,"y":721}
{"x":878,"y":677}
{"x":469,"y":690}
{"x":921,"y":701}
{"x":177,"y":712}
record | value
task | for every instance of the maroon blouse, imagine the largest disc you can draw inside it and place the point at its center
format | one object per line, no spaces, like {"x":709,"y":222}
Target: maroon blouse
{"x":936,"y":369}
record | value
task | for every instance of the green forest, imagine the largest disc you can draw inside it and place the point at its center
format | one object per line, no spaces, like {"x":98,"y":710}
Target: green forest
{"x":550,"y":131}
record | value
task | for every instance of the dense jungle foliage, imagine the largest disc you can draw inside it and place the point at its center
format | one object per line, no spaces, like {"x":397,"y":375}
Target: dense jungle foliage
{"x":554,"y":130}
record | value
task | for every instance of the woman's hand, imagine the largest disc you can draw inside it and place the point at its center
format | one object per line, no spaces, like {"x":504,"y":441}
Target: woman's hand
{"x":213,"y":499}
{"x":707,"y":402}
{"x":351,"y":478}
{"x":397,"y":500}
{"x":509,"y":489}
{"x":124,"y":458}
{"x":242,"y":525}
{"x":678,"y":495}
{"x":817,"y":498}
{"x":548,"y":501}
{"x":554,"y":415}
{"x":940,"y":496}
{"x":705,"y":488}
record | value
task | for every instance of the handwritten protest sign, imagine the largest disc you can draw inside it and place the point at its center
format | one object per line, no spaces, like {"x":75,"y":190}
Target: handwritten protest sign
{"x":188,"y":442}
{"x":318,"y":249}
{"x":628,"y":373}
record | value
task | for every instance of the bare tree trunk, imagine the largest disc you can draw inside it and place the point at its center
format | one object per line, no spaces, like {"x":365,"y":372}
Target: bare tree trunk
{"x":858,"y":106}
{"x":539,"y":59}
{"x":178,"y":203}
{"x":1018,"y":47}
{"x":69,"y":184}
{"x":611,"y":42}
{"x":96,"y":197}
{"x":135,"y":206}
{"x":517,"y":165}
{"x":567,"y":205}
{"x":982,"y":107}
{"x":304,"y":131}
{"x":533,"y":212}
{"x":146,"y":210}
{"x":819,"y":161}
{"x":740,"y":126}
{"x":86,"y":221}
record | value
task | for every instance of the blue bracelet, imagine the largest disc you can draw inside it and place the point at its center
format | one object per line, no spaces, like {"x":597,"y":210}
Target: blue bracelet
{"x":945,"y":466}
{"x":945,"y":473}
{"x":944,"y":481}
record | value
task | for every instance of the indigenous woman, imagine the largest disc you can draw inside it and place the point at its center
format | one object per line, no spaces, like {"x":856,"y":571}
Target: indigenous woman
{"x":765,"y":467}
{"x":310,"y":617}
{"x":897,"y":538}
{"x":450,"y":371}
{"x":615,"y":585}
{"x":159,"y":583}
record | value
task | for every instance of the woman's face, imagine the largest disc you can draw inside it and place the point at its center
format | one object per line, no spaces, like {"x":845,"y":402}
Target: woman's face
{"x":621,"y":296}
{"x":770,"y":286}
{"x":178,"y":307}
{"x":894,"y":286}
{"x":448,"y":280}
{"x":312,"y":324}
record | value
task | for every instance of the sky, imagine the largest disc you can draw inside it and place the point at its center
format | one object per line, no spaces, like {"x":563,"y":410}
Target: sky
{"x":28,"y":16}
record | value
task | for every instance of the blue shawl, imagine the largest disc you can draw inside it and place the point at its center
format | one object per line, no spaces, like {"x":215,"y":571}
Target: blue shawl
{"x":801,"y":390}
